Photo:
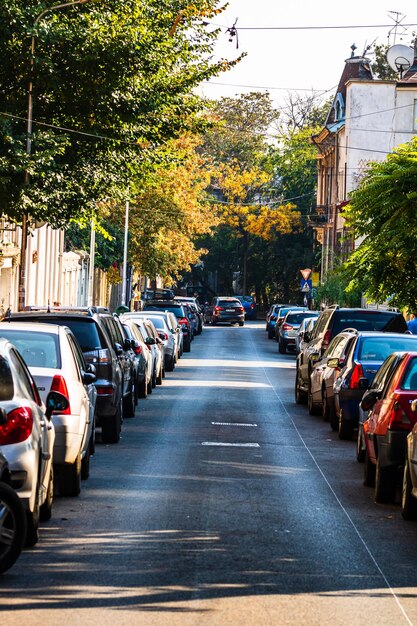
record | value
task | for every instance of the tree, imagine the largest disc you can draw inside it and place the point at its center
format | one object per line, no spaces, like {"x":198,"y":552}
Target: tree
{"x":118,"y":76}
{"x":382,"y":214}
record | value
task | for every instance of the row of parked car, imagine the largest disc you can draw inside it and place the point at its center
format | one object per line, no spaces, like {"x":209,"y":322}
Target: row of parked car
{"x":63,"y":374}
{"x":358,"y":369}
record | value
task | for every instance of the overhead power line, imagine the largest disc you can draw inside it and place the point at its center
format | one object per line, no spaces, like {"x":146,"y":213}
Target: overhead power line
{"x":319,"y":27}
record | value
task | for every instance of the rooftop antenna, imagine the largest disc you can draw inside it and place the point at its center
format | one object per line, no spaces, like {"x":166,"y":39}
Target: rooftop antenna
{"x":397,"y":23}
{"x":368,"y":47}
{"x":232,"y":30}
{"x":353,"y":47}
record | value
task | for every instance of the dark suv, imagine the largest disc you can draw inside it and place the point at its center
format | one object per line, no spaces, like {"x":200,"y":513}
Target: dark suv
{"x":98,"y":349}
{"x":330,"y":323}
{"x":178,"y":310}
{"x":225,"y":309}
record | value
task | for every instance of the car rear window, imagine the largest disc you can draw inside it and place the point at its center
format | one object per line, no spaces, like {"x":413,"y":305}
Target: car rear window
{"x":246,"y":298}
{"x":38,"y":349}
{"x":379,"y":348}
{"x":368,"y":320}
{"x":410,"y":379}
{"x":158,"y":322}
{"x":283,"y":312}
{"x":6,"y":381}
{"x":297,"y":318}
{"x":177,"y":310}
{"x":229,"y":304}
{"x":87,"y":334}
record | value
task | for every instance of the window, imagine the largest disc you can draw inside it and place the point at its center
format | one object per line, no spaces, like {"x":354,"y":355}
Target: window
{"x":6,"y":381}
{"x":24,"y":381}
{"x":37,"y":349}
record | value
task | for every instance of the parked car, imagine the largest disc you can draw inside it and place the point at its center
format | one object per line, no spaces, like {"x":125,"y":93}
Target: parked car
{"x":281,"y":316}
{"x":143,"y":325}
{"x":271,"y":318}
{"x":367,"y":351}
{"x":26,"y":439}
{"x":98,"y":350}
{"x":197,"y":310}
{"x":12,"y":515}
{"x":224,"y":309}
{"x":56,"y":363}
{"x":304,"y":332}
{"x":144,"y":357}
{"x":166,"y":324}
{"x":391,"y":417}
{"x":249,"y":306}
{"x":409,"y":488}
{"x":178,"y":310}
{"x":320,"y":398}
{"x":192,"y":318}
{"x":157,"y":346}
{"x":288,"y":330}
{"x":125,"y":356}
{"x":331,"y":322}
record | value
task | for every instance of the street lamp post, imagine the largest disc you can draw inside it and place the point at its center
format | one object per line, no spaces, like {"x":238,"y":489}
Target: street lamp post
{"x":22,"y":271}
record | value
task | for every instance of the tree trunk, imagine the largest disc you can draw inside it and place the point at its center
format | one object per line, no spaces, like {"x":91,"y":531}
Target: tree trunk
{"x":245,"y":262}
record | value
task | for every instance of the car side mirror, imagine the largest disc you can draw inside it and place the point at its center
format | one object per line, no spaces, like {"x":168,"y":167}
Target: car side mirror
{"x":369,"y":399}
{"x":3,"y":417}
{"x":314,"y":357}
{"x":306,"y":337}
{"x":363,"y":383}
{"x":150,"y":341}
{"x":55,"y":401}
{"x":118,"y":349}
{"x":127,"y":344}
{"x":333,"y":362}
{"x":89,"y":378}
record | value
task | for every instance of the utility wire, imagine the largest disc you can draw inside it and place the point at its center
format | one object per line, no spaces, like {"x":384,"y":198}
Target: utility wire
{"x":320,"y":27}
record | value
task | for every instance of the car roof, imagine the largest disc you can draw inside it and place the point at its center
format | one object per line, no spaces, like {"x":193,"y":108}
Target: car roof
{"x":38,"y":327}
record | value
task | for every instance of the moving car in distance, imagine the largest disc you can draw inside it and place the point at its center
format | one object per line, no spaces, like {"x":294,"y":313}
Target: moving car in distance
{"x":249,"y":306}
{"x":224,"y":309}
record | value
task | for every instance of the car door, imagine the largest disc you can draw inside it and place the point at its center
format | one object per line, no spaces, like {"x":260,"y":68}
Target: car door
{"x":317,"y":374}
{"x":117,"y":341}
{"x":88,"y":392}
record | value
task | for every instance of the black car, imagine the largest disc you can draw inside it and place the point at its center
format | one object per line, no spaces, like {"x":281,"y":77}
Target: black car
{"x":178,"y":310}
{"x":98,"y":349}
{"x":225,"y":309}
{"x":331,"y":322}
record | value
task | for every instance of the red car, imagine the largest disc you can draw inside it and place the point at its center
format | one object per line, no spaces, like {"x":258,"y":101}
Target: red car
{"x":390,"y":419}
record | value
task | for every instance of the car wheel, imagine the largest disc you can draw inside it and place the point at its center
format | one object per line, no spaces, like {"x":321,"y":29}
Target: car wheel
{"x":271,"y":334}
{"x":159,"y":377}
{"x":384,"y":483}
{"x":69,"y":478}
{"x":345,"y":428}
{"x":170,"y":364}
{"x":12,"y":527}
{"x":325,"y":408}
{"x":241,"y":323}
{"x":408,"y":502}
{"x":281,"y":347}
{"x":85,"y":463}
{"x":149,"y":387}
{"x":154,"y":378}
{"x":143,"y":388}
{"x":45,"y":511}
{"x":136,"y":391}
{"x":313,"y":409}
{"x":187,"y":345}
{"x":300,"y":396}
{"x":129,"y":403}
{"x":368,"y":471}
{"x":32,"y":524}
{"x":360,"y":452}
{"x":111,"y":426}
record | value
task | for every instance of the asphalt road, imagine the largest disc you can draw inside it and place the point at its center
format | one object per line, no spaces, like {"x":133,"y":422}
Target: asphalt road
{"x":223,"y":504}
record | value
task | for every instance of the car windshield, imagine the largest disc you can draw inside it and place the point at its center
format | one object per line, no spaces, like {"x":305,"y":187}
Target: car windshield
{"x":368,"y":320}
{"x":6,"y":381}
{"x":39,"y":349}
{"x":87,"y":334}
{"x":379,"y":348}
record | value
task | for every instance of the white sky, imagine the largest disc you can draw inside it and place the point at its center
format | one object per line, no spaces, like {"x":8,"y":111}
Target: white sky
{"x":300,"y":59}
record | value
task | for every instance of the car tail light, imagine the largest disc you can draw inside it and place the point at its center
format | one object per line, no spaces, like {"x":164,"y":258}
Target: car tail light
{"x":163,"y":336}
{"x":327,"y":338}
{"x":357,"y":373}
{"x":398,"y":419}
{"x":18,"y":426}
{"x":104,"y":390}
{"x":98,"y":356}
{"x":273,"y":317}
{"x":59,"y":384}
{"x":286,"y":326}
{"x":252,"y":306}
{"x":240,"y":309}
{"x":184,"y":321}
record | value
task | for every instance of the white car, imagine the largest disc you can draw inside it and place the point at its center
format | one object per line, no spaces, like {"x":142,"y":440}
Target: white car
{"x":56,"y":362}
{"x":148,"y":331}
{"x":144,"y":383}
{"x":26,"y":439}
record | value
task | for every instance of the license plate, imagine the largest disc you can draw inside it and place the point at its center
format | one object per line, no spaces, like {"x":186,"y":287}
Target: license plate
{"x":230,"y":310}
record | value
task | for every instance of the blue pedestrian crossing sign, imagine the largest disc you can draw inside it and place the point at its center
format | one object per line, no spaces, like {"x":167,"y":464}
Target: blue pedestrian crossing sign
{"x":306,"y":285}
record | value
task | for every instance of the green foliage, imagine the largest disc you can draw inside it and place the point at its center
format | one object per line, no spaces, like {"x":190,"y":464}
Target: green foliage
{"x":107,"y":250}
{"x":382,"y":213}
{"x":118,"y":74}
{"x":335,"y":291}
{"x":380,"y":66}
